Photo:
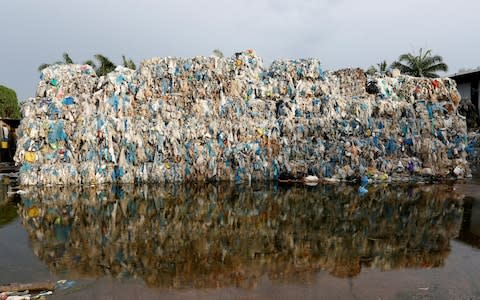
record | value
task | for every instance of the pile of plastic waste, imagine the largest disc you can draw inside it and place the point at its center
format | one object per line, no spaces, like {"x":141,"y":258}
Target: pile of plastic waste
{"x":212,"y":119}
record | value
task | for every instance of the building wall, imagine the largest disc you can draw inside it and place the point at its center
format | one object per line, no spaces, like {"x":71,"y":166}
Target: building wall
{"x":478,"y":97}
{"x":465,"y":90}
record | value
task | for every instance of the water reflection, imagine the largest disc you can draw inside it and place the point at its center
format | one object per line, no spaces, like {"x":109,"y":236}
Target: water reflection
{"x":8,"y":213}
{"x":226,"y":235}
{"x":8,"y":207}
{"x":470,"y":231}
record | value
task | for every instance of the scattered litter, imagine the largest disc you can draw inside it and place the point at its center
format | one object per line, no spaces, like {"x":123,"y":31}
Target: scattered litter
{"x":29,"y":291}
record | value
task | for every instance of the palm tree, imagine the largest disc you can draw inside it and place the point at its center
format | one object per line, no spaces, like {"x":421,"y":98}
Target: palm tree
{"x":217,"y":53}
{"x":105,"y":64}
{"x":128,"y":63}
{"x":66,"y":60}
{"x":380,"y":68}
{"x":423,"y":65}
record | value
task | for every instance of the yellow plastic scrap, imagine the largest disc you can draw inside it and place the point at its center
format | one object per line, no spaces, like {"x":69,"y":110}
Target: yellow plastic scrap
{"x":368,"y":132}
{"x":33,"y":212}
{"x":383,"y":177}
{"x":30,"y":156}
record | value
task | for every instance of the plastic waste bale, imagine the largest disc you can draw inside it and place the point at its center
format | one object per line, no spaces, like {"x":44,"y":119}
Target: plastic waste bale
{"x":46,"y":133}
{"x":212,"y":119}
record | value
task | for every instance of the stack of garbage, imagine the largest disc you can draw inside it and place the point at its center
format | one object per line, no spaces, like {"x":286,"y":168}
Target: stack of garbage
{"x":224,"y":235}
{"x":213,"y":119}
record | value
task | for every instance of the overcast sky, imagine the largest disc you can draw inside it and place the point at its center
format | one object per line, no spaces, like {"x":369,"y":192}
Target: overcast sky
{"x":340,"y":33}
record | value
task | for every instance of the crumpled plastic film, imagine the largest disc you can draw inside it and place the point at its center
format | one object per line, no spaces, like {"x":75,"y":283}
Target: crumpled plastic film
{"x":212,"y":119}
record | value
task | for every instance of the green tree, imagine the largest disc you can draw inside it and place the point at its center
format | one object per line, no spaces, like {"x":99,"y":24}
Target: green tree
{"x":217,"y":53}
{"x":91,"y":63}
{"x":66,"y":60}
{"x":9,"y":103}
{"x":379,"y":68}
{"x":128,"y":63}
{"x":106,"y":65}
{"x":422,"y":65}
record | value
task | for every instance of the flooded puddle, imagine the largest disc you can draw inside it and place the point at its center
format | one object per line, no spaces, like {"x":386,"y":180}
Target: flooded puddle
{"x":261,"y":241}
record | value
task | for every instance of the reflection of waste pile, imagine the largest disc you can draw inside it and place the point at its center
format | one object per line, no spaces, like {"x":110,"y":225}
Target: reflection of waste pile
{"x":209,"y":118}
{"x":208,"y":236}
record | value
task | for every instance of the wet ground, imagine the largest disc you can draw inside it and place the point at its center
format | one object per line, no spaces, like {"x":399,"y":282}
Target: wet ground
{"x":262,"y":241}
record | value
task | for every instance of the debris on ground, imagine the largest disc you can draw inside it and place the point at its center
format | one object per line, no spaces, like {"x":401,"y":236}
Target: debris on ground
{"x":27,"y":291}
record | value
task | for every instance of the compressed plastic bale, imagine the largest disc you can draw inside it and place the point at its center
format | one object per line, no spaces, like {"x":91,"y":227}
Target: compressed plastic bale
{"x":208,"y":118}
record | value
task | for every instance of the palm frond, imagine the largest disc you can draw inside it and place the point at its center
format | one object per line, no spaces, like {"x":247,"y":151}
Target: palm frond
{"x":382,"y":66}
{"x":106,"y":65}
{"x":91,"y":63}
{"x":43,"y":66}
{"x":402,"y":67}
{"x":437,"y":67}
{"x":128,"y":63}
{"x":105,"y":61}
{"x":217,"y":53}
{"x":408,"y":57}
{"x":67,"y":59}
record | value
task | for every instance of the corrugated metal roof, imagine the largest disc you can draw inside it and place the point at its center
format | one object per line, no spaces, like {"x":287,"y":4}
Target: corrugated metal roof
{"x":465,"y":72}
